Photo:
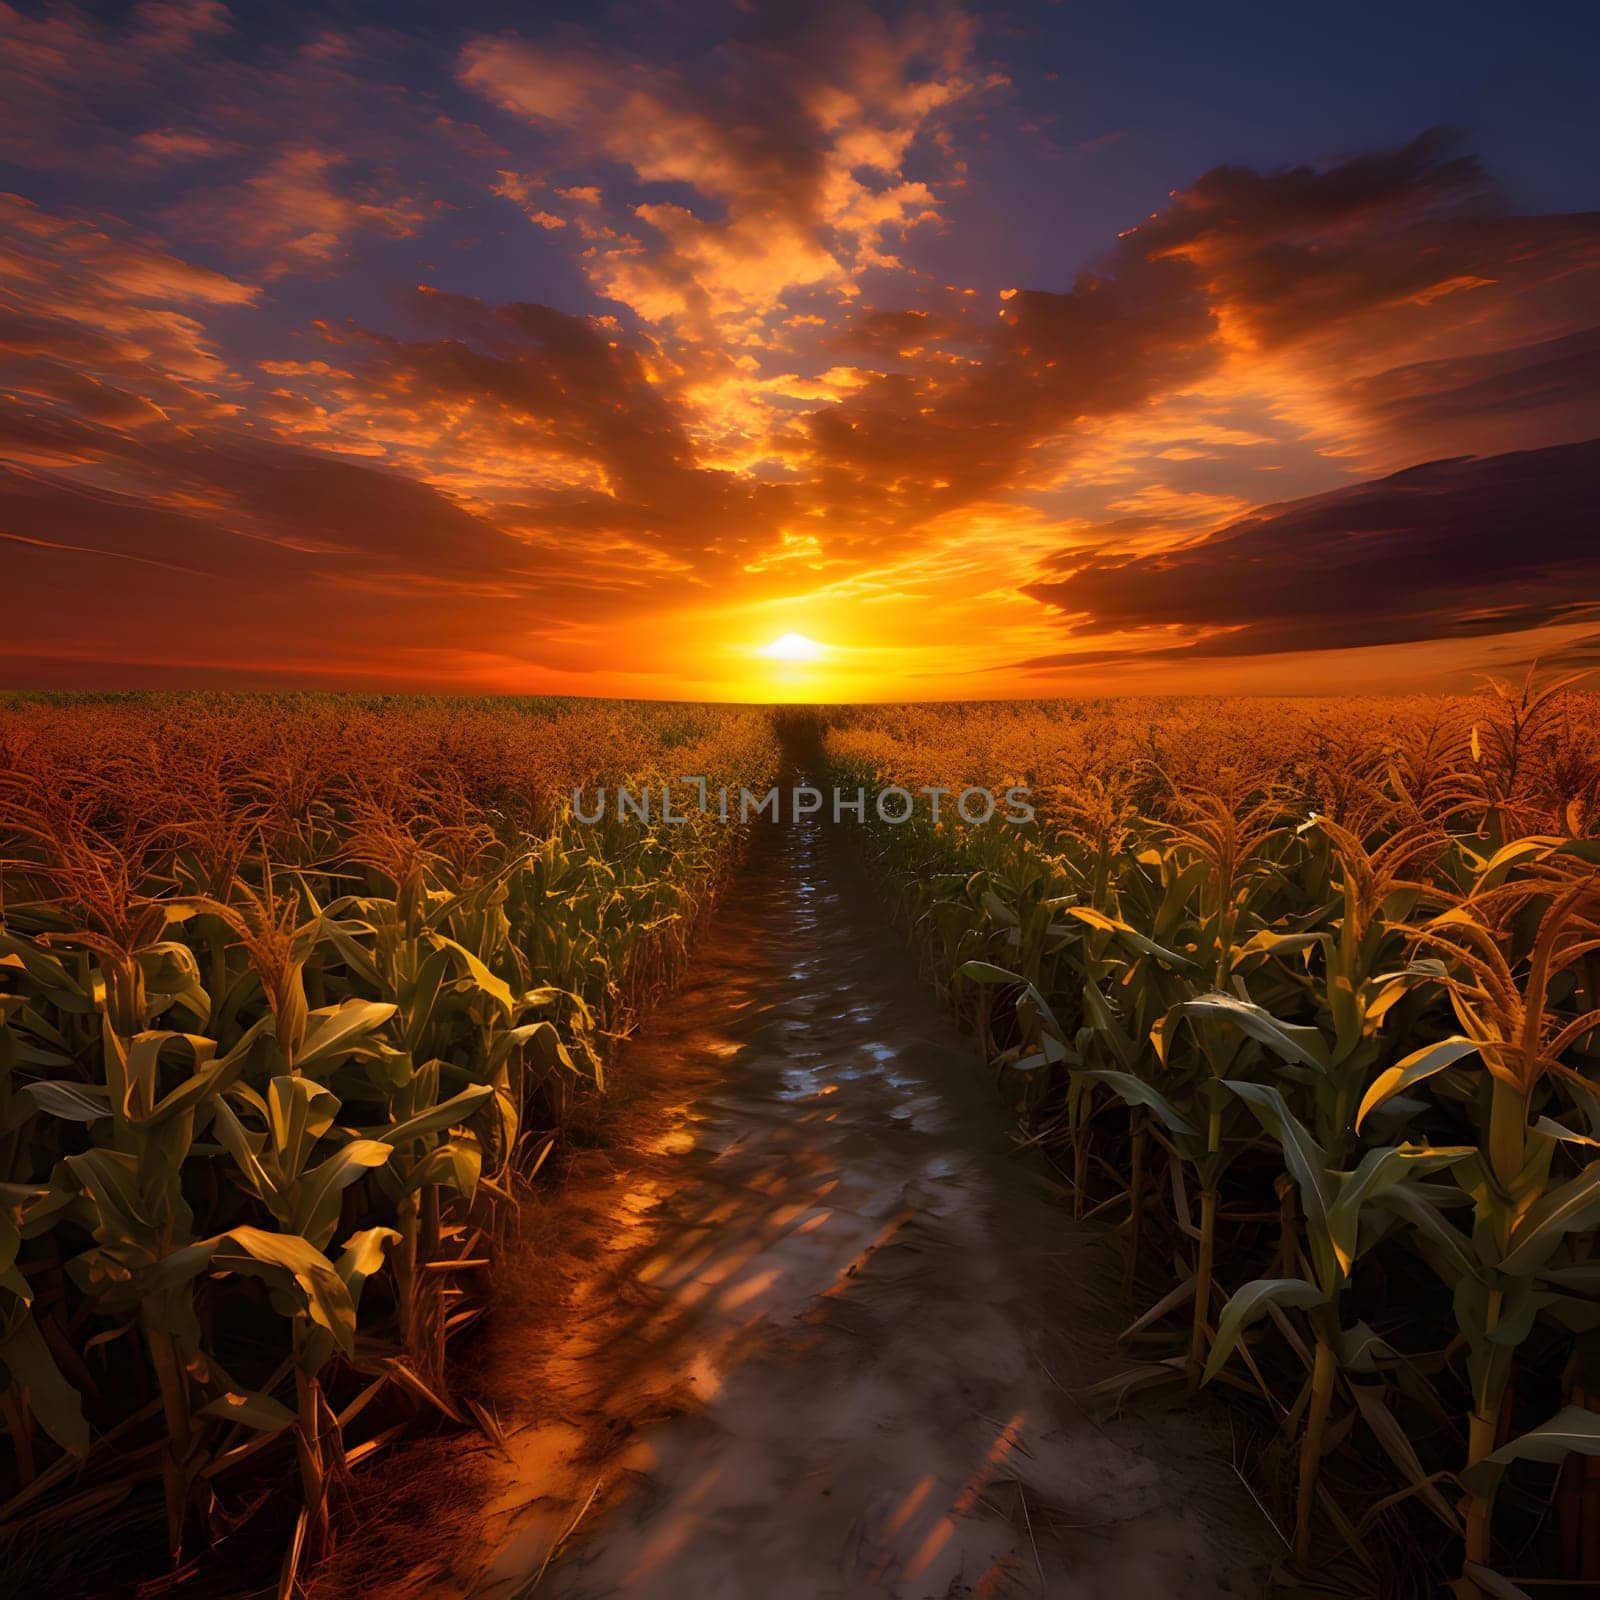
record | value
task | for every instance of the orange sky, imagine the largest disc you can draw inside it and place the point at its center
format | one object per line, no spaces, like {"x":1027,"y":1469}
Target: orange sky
{"x":571,"y":359}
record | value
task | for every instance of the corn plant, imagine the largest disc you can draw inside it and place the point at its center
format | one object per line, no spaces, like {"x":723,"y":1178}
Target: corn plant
{"x":1352,"y":942}
{"x":284,"y":986}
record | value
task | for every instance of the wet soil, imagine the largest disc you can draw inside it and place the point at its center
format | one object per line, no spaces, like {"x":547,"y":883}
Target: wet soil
{"x":811,"y":1326}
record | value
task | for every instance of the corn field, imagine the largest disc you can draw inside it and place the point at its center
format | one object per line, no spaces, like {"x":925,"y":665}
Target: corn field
{"x":294,"y":993}
{"x":1305,"y":996}
{"x":298,"y":993}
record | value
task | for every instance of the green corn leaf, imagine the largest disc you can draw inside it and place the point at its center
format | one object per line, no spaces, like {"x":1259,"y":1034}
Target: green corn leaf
{"x":1250,"y":1302}
{"x":454,"y":1165}
{"x":33,"y":1370}
{"x":314,"y":1211}
{"x":363,"y":1255}
{"x":299,"y":1113}
{"x":284,"y":1259}
{"x":1379,"y":1172}
{"x":1420,"y":1064}
{"x":434,"y":1120}
{"x":250,"y":1410}
{"x":111,"y":1181}
{"x":70,"y":1102}
{"x":1291,"y":1041}
{"x":334,"y":1032}
{"x":1572,"y":1208}
{"x":245,"y":1149}
{"x":1129,"y":936}
{"x":495,"y":988}
{"x":1574,"y":1430}
{"x":1135,"y":1091}
{"x":987,"y":972}
{"x":1303,"y":1157}
{"x":1453,"y":1246}
{"x":213,"y":1077}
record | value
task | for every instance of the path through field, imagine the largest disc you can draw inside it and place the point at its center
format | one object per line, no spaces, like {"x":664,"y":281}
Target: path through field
{"x":810,"y":1331}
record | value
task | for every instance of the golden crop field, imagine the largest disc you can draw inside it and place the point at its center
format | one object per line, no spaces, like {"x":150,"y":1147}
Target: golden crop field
{"x":1301,"y":997}
{"x":293,"y":995}
{"x":1306,"y":995}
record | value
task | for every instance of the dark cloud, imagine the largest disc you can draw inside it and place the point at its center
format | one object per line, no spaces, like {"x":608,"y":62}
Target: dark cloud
{"x":890,"y":334}
{"x":914,"y":443}
{"x":68,"y":78}
{"x":1528,"y":394}
{"x":1056,"y":359}
{"x":177,"y":539}
{"x":1452,"y":549}
{"x":1297,"y":251}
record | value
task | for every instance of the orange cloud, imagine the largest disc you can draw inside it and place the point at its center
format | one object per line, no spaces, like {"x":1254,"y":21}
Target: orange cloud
{"x":792,"y":139}
{"x":102,"y":332}
{"x":294,"y":216}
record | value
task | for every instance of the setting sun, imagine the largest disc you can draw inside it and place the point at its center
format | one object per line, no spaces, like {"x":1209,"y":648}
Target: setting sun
{"x":793,"y":647}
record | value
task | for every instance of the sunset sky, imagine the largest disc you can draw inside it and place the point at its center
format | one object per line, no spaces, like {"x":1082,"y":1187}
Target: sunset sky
{"x":994,"y":351}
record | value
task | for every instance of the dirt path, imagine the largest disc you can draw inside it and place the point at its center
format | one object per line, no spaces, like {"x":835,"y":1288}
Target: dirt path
{"x":811,"y":1331}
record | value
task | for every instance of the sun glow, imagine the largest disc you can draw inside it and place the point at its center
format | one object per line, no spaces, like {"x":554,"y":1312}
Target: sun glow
{"x":793,"y":647}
